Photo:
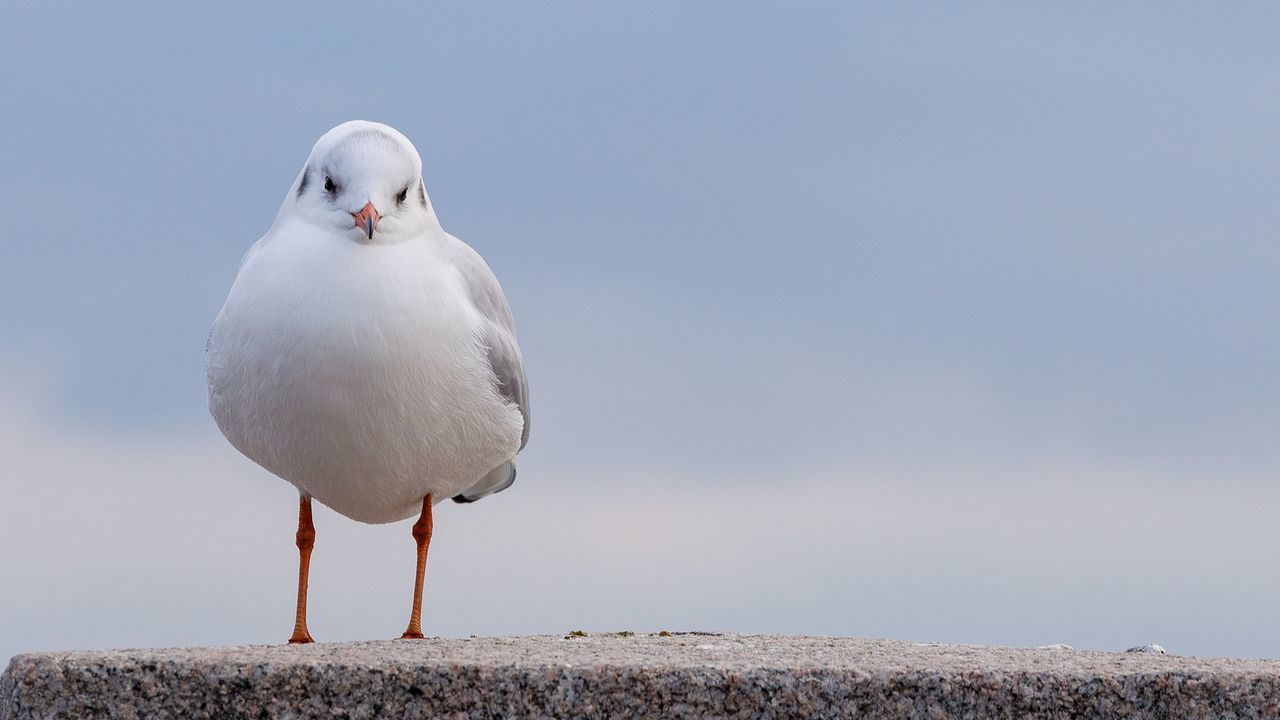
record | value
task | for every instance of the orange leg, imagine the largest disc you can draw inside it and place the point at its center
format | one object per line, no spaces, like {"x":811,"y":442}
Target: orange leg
{"x":306,"y":538}
{"x":422,"y":534}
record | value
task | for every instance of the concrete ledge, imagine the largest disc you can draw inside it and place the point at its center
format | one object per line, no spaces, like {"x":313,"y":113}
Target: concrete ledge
{"x":682,"y":675}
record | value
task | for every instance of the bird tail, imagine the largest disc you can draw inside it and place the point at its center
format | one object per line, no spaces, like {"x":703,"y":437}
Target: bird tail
{"x":494,"y":481}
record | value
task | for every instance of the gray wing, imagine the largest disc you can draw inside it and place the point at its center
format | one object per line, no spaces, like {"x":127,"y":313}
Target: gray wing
{"x":508,"y":369}
{"x":505,"y":360}
{"x":499,"y":332}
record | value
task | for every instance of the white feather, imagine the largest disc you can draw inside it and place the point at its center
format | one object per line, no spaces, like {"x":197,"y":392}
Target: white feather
{"x":355,"y":369}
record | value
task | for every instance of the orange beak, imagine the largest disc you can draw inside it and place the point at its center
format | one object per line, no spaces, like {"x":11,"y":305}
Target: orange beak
{"x":367,"y":218}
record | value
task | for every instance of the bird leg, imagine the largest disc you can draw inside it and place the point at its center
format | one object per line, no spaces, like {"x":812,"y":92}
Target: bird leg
{"x":306,"y":539}
{"x":422,"y":534}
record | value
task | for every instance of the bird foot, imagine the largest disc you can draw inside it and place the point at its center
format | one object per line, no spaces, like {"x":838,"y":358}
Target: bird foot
{"x":411,"y":635}
{"x":301,"y":639}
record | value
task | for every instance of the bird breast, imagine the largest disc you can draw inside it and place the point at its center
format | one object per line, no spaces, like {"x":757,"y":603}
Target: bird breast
{"x":355,"y":372}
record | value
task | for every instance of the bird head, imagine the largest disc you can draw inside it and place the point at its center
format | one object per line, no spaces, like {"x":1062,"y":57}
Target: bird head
{"x":364,"y":180}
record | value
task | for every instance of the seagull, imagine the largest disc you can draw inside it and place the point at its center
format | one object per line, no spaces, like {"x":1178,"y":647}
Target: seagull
{"x":365,"y":355}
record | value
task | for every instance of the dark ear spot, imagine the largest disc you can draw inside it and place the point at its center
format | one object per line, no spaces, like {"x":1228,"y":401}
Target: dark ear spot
{"x":422,"y":193}
{"x":306,"y":180}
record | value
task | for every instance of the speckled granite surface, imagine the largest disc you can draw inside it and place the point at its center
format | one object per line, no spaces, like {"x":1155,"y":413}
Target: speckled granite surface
{"x":683,"y":675}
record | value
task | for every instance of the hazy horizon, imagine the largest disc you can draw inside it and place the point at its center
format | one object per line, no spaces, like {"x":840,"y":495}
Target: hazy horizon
{"x":947,"y":324}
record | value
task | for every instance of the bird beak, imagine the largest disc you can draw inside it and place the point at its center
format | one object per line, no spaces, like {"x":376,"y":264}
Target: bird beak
{"x":367,"y":218}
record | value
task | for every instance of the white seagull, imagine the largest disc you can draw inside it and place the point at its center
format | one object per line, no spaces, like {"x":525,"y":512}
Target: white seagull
{"x":364,"y":354}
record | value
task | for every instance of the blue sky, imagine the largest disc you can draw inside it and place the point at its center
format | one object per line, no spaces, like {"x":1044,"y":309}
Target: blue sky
{"x":960,"y":320}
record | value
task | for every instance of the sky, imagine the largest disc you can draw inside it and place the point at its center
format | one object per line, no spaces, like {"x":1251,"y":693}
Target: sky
{"x":937,"y":323}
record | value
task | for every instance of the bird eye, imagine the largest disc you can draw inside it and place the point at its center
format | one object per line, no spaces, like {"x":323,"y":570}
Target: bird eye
{"x":328,"y":184}
{"x":403,"y":194}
